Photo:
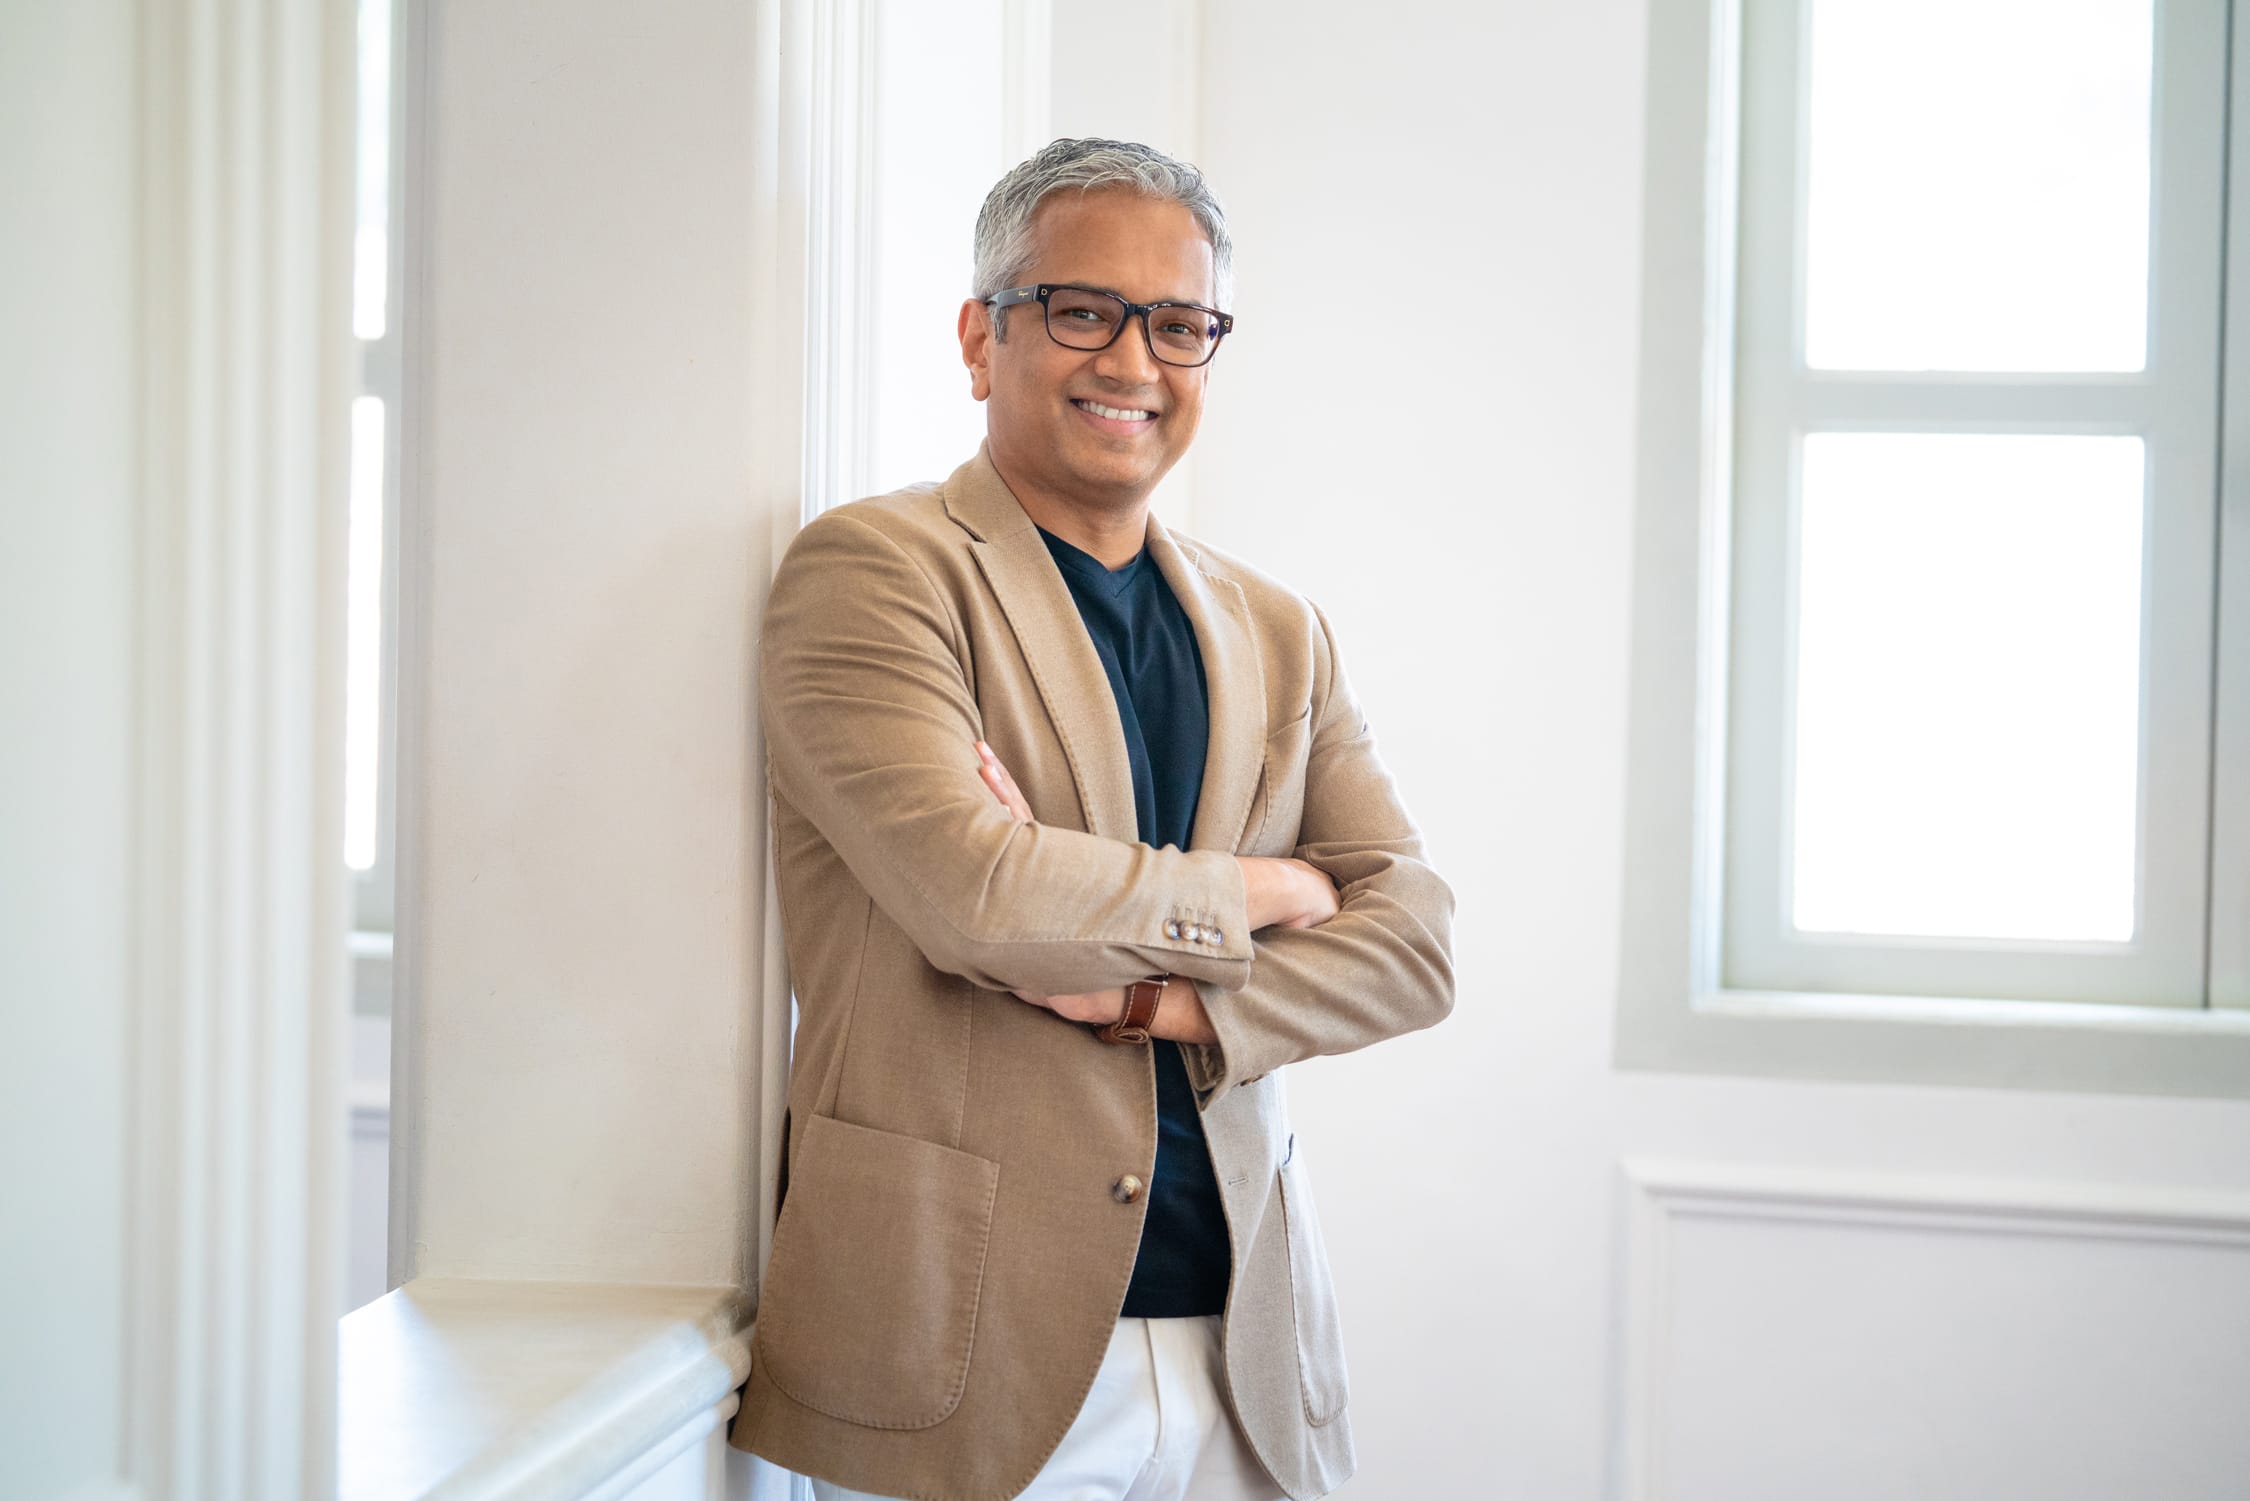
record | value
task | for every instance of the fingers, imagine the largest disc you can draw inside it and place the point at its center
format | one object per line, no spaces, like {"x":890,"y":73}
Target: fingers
{"x":1002,"y":784}
{"x":1324,"y":896}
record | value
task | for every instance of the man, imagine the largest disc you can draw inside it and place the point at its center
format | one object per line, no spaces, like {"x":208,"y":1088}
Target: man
{"x":1080,"y":837}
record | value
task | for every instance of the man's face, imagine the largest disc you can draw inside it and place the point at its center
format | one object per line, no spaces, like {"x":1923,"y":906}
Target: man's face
{"x":1040,"y":395}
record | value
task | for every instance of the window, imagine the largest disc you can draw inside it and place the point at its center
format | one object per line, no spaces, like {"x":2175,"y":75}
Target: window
{"x":1938,"y":622}
{"x":370,"y":777}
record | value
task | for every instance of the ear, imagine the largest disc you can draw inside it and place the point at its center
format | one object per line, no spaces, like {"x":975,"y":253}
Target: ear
{"x":975,"y":329}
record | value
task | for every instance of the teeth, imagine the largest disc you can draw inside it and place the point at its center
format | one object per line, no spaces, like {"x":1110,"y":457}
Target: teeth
{"x":1120,"y":414}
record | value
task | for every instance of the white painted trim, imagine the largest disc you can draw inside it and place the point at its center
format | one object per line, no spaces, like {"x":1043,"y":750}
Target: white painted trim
{"x":1659,"y":1193}
{"x":240,"y":905}
{"x":812,"y":179}
{"x":705,"y":1423}
{"x":1674,"y":1011}
{"x":1027,"y":32}
{"x":782,"y":489}
{"x":411,"y":68}
{"x":1681,"y":1188}
{"x":642,"y":1369}
{"x":2229,"y":979}
{"x":832,"y":86}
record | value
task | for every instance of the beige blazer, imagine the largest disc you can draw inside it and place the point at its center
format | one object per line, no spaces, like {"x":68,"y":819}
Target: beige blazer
{"x":956,"y":1232}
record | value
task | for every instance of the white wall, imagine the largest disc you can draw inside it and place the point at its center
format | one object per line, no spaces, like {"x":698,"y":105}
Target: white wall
{"x":580,"y":897}
{"x":1460,"y":505}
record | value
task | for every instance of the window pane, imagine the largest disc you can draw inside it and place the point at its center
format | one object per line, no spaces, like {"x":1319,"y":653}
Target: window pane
{"x":371,"y":237}
{"x":1978,"y":185}
{"x":363,"y":672}
{"x":1968,"y":685}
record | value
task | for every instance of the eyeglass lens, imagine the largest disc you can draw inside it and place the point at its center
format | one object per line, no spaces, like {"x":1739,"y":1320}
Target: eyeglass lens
{"x":1088,"y":320}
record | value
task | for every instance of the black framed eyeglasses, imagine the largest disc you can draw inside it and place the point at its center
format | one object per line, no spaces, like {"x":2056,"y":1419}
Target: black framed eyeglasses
{"x":1178,"y":333}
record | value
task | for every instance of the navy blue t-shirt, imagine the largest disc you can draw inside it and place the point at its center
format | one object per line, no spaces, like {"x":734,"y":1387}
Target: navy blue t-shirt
{"x":1147,"y":646}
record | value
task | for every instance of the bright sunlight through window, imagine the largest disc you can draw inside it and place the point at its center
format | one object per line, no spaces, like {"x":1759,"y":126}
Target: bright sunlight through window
{"x":1980,"y":202}
{"x":1968,"y":681}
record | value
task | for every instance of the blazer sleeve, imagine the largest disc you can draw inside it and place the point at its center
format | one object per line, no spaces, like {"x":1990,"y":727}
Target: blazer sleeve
{"x":1383,"y":965}
{"x":870,"y":726}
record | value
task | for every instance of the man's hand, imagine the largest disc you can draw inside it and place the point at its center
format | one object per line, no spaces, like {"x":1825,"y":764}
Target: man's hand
{"x":1180,"y":1016}
{"x":1285,"y":893}
{"x":1099,"y":1007}
{"x":1003,"y":785}
{"x":1303,"y":894}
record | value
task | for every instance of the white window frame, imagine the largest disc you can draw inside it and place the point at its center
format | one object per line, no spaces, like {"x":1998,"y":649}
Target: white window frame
{"x":2229,"y":984}
{"x":1682,"y":1005}
{"x":2171,"y":405}
{"x":381,"y":373}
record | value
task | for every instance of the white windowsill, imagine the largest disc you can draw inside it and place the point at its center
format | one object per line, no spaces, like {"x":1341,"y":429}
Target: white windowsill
{"x":1970,"y":1011}
{"x":1983,"y":1044}
{"x":528,"y":1390}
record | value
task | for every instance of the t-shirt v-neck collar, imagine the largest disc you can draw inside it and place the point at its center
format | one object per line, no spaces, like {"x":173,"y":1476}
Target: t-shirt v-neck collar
{"x":1090,"y":569}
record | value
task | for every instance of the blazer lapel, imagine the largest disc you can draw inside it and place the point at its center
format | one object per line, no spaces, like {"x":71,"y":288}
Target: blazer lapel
{"x":1045,"y":618}
{"x":1236,"y":754}
{"x":1076,"y":691}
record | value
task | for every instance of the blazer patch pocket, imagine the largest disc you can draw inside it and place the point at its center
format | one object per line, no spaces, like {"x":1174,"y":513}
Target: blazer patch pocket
{"x":869,"y":1306}
{"x":1312,"y":1294}
{"x":1279,"y":809}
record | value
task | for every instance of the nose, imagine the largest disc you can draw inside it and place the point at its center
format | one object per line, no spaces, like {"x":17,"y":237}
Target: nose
{"x":1129,"y":361}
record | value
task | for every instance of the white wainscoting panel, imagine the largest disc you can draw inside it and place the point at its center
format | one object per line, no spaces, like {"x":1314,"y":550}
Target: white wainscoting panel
{"x":1792,"y":1335}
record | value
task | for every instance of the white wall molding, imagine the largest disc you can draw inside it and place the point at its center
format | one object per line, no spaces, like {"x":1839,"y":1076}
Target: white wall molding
{"x":830,"y":82}
{"x":1660,"y":1195}
{"x":241,"y":900}
{"x":1667,"y":1190}
{"x":809,"y":397}
{"x":674,"y":1455}
{"x":1027,"y":55}
{"x":409,"y":630}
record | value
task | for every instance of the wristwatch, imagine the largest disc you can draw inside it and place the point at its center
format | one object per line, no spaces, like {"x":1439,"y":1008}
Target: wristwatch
{"x":1140,"y":1011}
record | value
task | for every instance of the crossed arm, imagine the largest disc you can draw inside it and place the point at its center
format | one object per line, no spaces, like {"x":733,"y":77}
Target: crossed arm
{"x":872,"y":729}
{"x":1276,"y":893}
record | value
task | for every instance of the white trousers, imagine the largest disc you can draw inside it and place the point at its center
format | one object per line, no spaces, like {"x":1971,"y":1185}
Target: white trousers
{"x":1155,"y":1427}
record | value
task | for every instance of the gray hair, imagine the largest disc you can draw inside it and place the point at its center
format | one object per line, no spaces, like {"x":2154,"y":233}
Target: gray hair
{"x":1003,"y":246}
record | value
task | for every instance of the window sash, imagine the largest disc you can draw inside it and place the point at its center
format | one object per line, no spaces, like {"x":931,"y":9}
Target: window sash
{"x":2172,"y":405}
{"x":381,"y":374}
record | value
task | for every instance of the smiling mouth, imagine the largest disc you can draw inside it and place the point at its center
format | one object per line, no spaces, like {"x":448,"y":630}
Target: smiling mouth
{"x":1114,"y":414}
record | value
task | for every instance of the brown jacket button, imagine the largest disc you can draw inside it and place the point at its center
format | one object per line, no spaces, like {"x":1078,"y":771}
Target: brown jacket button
{"x":1126,"y":1189}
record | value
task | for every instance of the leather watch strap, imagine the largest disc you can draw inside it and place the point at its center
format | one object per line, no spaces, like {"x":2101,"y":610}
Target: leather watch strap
{"x":1140,"y":1012}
